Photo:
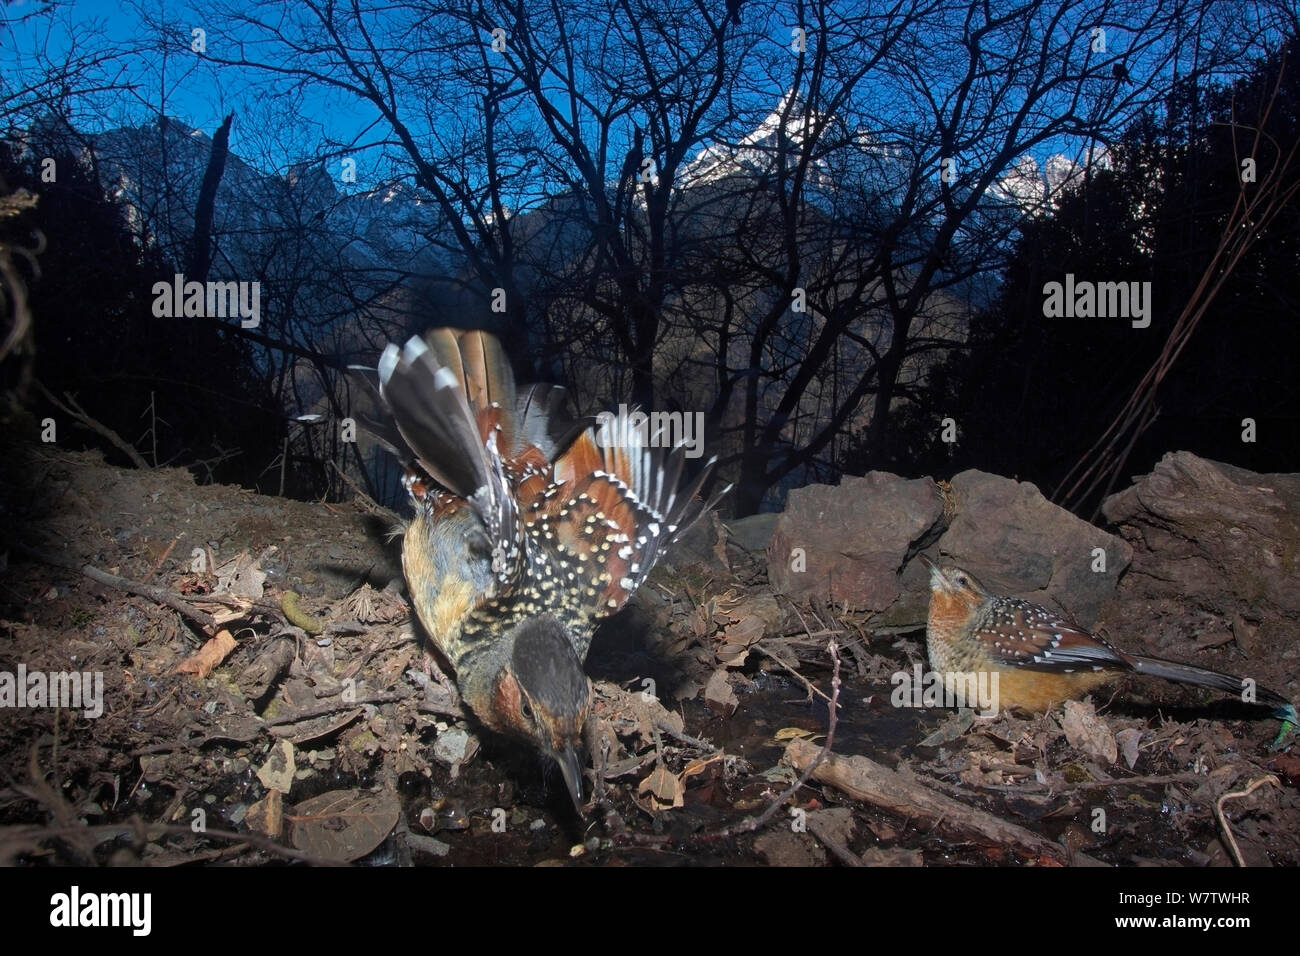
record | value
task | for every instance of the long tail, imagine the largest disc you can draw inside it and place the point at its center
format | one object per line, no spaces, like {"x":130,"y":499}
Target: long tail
{"x":453,"y":399}
{"x":435,"y":387}
{"x":1201,"y":677}
{"x":453,"y":390}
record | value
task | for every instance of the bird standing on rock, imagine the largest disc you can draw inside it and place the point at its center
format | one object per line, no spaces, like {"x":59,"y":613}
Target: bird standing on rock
{"x":527,"y":531}
{"x":1041,"y":659}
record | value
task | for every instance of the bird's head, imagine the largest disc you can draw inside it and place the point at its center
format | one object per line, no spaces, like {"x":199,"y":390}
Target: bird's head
{"x":541,"y":695}
{"x":950,"y":585}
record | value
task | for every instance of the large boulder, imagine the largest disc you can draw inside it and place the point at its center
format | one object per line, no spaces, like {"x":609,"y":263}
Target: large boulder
{"x":853,"y":544}
{"x":1218,"y":533}
{"x":753,"y":533}
{"x":847,"y":543}
{"x":1019,"y":543}
{"x":1216,"y":566}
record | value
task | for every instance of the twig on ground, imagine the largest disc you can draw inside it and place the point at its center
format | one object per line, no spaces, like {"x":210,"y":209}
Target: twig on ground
{"x":684,"y":738}
{"x":334,"y":706}
{"x":750,"y":824}
{"x":363,"y":496}
{"x":896,"y":792}
{"x":165,"y":555}
{"x":159,"y":595}
{"x":829,"y":840}
{"x":834,"y":635}
{"x":1223,"y":820}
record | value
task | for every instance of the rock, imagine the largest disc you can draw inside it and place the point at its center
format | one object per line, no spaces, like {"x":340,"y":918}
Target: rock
{"x":847,"y":543}
{"x":784,"y":848}
{"x":1219,"y":532}
{"x":1019,"y":543}
{"x":1216,"y":549}
{"x":753,"y":533}
{"x":704,"y":543}
{"x":856,"y":537}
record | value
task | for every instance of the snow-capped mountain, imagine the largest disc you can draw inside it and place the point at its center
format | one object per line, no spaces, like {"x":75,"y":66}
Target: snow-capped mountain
{"x":326,"y":245}
{"x":1034,"y":189}
{"x":759,"y":151}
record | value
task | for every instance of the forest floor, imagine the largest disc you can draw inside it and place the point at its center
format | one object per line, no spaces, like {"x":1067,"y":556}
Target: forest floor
{"x":265,"y":697}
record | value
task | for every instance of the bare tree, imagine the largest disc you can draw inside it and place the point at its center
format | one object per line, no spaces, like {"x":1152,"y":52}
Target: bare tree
{"x":780,"y":220}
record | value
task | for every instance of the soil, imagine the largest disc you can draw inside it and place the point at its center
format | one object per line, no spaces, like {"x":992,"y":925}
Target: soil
{"x":316,"y":728}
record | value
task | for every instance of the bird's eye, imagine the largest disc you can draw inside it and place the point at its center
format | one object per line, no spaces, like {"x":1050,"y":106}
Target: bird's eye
{"x":527,"y":710}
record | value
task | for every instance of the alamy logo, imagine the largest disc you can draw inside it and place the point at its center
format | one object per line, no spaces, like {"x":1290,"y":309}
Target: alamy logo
{"x":75,"y":908}
{"x":213,"y":300}
{"x":638,"y":429}
{"x":1098,"y":300}
{"x":975,"y":689}
{"x":70,"y":690}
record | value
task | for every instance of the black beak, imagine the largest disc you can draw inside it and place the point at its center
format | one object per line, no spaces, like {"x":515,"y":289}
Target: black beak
{"x":571,"y":769}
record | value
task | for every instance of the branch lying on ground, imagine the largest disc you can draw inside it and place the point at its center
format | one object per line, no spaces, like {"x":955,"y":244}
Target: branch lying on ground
{"x":363,"y":497}
{"x":81,"y":839}
{"x":864,"y":779}
{"x":1223,"y":819}
{"x":155,"y":593}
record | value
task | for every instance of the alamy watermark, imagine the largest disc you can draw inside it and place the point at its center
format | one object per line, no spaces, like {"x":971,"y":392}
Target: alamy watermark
{"x":975,"y":689}
{"x":637,"y":429}
{"x":213,"y":300}
{"x":74,"y":908}
{"x":1083,"y":299}
{"x":71,"y":690}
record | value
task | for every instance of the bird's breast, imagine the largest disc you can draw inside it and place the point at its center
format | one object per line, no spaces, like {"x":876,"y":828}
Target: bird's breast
{"x":446,"y":577}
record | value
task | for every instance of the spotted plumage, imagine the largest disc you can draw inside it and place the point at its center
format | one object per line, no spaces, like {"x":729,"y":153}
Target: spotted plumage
{"x":527,"y":531}
{"x":1040,"y":658}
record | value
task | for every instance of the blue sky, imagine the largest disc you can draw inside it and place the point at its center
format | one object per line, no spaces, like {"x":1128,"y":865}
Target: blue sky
{"x":179,"y":84}
{"x":199,"y":94}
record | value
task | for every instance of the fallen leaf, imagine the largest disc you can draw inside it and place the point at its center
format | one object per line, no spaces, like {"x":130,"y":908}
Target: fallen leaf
{"x":241,"y":577}
{"x":266,"y":816}
{"x":738,"y":638}
{"x":1088,"y":732}
{"x":343,"y":824}
{"x":1213,"y":639}
{"x":314,"y":728}
{"x":1288,"y":766}
{"x":664,"y":788}
{"x":719,"y":695}
{"x":455,"y":746}
{"x":699,"y":765}
{"x":951,"y":729}
{"x":1128,"y":741}
{"x":277,"y":773}
{"x":208,"y":657}
{"x":795,"y":733}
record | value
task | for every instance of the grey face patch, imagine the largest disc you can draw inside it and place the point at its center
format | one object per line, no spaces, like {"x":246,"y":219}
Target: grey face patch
{"x":545,"y":664}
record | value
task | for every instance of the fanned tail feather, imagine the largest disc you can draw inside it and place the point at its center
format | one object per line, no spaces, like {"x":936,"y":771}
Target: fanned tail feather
{"x":428,"y":403}
{"x":452,"y":396}
{"x":512,"y":453}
